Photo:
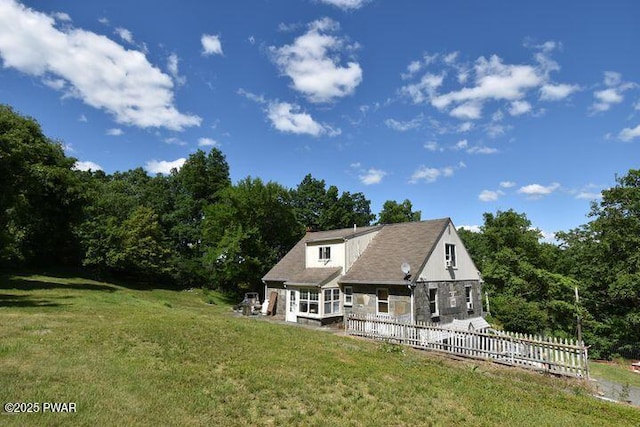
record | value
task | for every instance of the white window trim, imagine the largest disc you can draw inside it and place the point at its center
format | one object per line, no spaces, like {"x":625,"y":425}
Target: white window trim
{"x":469,"y":297}
{"x":350,"y":296}
{"x":448,"y":261}
{"x":378,"y":300}
{"x":435,"y":313}
{"x":308,"y":313}
{"x":322,"y":253}
{"x":333,"y":301}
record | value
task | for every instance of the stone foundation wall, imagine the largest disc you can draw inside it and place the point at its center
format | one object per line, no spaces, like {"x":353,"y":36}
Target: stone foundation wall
{"x":365,"y":300}
{"x":452,"y":303}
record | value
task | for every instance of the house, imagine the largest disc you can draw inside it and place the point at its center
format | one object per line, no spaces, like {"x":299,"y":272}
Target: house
{"x":415,"y":271}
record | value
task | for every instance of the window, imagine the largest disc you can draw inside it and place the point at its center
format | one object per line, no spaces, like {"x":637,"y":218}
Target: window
{"x":292,"y":301}
{"x":383,"y":301}
{"x":308,"y":301}
{"x":324,"y":252}
{"x":348,"y":295}
{"x":450,"y":255}
{"x":433,"y":302}
{"x":331,"y":301}
{"x":468,"y":292}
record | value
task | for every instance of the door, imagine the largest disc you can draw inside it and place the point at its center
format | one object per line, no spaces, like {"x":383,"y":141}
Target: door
{"x":292,"y":305}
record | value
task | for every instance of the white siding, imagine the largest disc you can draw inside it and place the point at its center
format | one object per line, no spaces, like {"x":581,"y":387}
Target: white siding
{"x":337,"y":255}
{"x":435,"y":269}
{"x":343,"y":254}
{"x":356,"y":247}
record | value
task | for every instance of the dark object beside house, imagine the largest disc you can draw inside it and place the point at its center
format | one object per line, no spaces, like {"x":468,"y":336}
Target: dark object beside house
{"x":249,"y":305}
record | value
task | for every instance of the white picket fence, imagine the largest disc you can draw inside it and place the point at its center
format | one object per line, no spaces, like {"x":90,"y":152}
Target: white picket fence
{"x":557,"y":356}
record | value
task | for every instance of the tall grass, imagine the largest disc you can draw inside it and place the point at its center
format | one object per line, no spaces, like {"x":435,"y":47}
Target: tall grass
{"x":159,"y":357}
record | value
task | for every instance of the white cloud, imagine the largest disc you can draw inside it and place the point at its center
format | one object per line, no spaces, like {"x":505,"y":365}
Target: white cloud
{"x":175,"y":141}
{"x":536,"y":191}
{"x":481,"y":149}
{"x":489,"y":196}
{"x":425,"y":89}
{"x":259,"y":99}
{"x":553,"y":92}
{"x":100,"y":72}
{"x":432,"y":146}
{"x":607,"y":97}
{"x":346,"y":4}
{"x":401,"y":126}
{"x":57,"y":84}
{"x":488,"y":79}
{"x":429,"y":175}
{"x":61,"y":16}
{"x":450,"y":58}
{"x":461,"y":145}
{"x":627,"y":134}
{"x":519,"y":107}
{"x":613,"y":94}
{"x":372,"y":176}
{"x":211,"y":44}
{"x":471,"y":228}
{"x":412,"y":68}
{"x":207,"y":142}
{"x":115,"y":132}
{"x":313,"y":63}
{"x":507,"y":184}
{"x":465,"y":127}
{"x":494,"y":81}
{"x":425,"y":174}
{"x":287,"y":117}
{"x":468,"y":111}
{"x":87,"y":165}
{"x":172,"y":66}
{"x":612,"y":78}
{"x":124,"y":34}
{"x":164,"y":167}
{"x":588,"y":195}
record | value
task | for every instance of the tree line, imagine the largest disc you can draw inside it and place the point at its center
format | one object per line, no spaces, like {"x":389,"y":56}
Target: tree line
{"x":195,"y":228}
{"x":192,"y":227}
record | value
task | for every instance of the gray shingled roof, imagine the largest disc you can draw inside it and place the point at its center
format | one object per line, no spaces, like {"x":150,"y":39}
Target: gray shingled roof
{"x":395,"y":244}
{"x":291,"y":267}
{"x":313,"y":276}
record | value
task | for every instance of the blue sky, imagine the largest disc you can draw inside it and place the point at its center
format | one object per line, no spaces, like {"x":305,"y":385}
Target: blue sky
{"x":462,"y":107}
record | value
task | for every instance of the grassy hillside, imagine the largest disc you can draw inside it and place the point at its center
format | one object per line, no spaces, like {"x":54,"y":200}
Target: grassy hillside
{"x":158,"y":357}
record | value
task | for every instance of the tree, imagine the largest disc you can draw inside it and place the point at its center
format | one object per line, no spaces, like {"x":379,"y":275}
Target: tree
{"x":203,"y":175}
{"x":251,"y":227}
{"x":393,"y":213}
{"x":141,"y":249}
{"x":317,"y":208}
{"x":604,"y":255}
{"x":308,"y":202}
{"x":40,"y":198}
{"x":190,"y":190}
{"x":527,"y":293}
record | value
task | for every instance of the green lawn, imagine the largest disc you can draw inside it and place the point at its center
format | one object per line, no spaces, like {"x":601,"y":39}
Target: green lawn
{"x":159,"y":357}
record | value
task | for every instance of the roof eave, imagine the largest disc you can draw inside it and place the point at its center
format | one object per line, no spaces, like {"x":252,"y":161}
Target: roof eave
{"x":376,"y":282}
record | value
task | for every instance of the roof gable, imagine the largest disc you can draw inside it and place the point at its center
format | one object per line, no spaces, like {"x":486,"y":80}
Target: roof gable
{"x":395,"y":244}
{"x":292,"y":265}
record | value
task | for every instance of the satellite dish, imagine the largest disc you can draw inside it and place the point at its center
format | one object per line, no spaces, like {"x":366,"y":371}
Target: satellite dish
{"x":405,"y":267}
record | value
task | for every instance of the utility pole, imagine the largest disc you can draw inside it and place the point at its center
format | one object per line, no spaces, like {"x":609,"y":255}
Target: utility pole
{"x":486,"y":298}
